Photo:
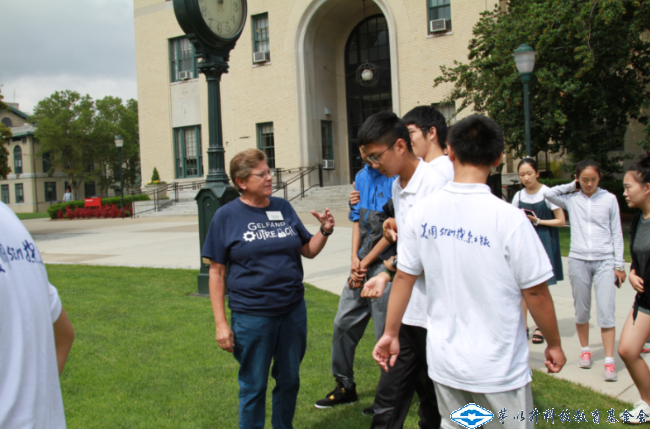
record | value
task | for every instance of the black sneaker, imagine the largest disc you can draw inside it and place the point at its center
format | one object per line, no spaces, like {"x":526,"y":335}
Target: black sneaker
{"x":339,"y":396}
{"x":368,"y":411}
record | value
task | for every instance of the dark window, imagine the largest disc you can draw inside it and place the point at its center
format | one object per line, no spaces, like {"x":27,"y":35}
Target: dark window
{"x":183,"y":58}
{"x":440,"y":9}
{"x":5,"y":194}
{"x":7,"y":122}
{"x":89,"y":189}
{"x":261,"y":33}
{"x":187,"y":147}
{"x":18,"y":160}
{"x":20,"y":197}
{"x":47,"y":162}
{"x":50,"y":191}
{"x":266,"y":142}
{"x":327,"y":141}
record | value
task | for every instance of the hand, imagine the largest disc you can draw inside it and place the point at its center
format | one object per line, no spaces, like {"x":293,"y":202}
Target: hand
{"x":225,"y":338}
{"x":555,"y":359}
{"x":533,"y":219}
{"x":636,"y":282}
{"x":355,"y":197}
{"x":388,"y":263}
{"x":620,"y":275}
{"x":386,"y":351}
{"x":326,"y":219}
{"x":390,"y":230}
{"x":375,"y":287}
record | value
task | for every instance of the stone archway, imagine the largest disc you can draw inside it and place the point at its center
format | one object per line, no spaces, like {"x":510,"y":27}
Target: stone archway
{"x":320,"y":43}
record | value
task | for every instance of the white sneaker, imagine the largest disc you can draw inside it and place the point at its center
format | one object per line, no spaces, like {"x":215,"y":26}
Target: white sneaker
{"x":585,"y":360}
{"x":646,"y":347}
{"x":610,"y":372}
{"x":638,"y":408}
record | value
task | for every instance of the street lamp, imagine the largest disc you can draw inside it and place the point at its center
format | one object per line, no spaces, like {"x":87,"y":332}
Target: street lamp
{"x":119,"y":142}
{"x":525,"y":59}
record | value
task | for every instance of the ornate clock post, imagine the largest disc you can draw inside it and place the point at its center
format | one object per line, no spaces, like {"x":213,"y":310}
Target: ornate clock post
{"x":213,"y":27}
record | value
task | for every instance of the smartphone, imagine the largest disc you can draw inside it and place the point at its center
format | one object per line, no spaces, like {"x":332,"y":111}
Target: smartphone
{"x":577,"y":185}
{"x":617,"y":282}
{"x":529,"y":212}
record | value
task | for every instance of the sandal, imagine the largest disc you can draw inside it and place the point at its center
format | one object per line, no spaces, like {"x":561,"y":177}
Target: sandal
{"x":538,"y":338}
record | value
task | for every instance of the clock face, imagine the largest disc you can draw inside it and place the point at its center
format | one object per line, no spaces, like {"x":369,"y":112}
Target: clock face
{"x":224,"y":17}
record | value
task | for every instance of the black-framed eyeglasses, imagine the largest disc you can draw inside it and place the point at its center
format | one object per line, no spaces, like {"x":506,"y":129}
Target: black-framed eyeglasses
{"x":377,"y":158}
{"x":264,"y":173}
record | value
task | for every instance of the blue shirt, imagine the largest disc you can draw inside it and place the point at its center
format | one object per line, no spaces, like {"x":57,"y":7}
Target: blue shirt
{"x":265,"y":267}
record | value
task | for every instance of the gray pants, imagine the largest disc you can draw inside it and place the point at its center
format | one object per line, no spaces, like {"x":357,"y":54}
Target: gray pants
{"x":510,"y":403}
{"x":601,"y":273}
{"x":350,"y":323}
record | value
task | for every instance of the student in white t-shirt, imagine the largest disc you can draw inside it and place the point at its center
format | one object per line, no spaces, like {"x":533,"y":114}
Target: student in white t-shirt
{"x":35,"y":333}
{"x":386,"y":142}
{"x":546,"y":218}
{"x":479,"y":255}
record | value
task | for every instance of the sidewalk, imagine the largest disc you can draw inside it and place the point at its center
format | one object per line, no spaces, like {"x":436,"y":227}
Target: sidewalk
{"x":174,"y":243}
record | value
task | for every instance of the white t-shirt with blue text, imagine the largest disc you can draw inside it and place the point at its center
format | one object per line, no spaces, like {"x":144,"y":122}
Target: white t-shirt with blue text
{"x":30,"y":394}
{"x":477,"y":253}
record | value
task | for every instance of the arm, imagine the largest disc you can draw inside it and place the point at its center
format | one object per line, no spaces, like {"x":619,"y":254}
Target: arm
{"x":63,"y":339}
{"x":372,"y":255}
{"x":559,"y":220}
{"x":387,"y":347}
{"x":557,"y":194}
{"x":313,"y":247}
{"x":217,"y":286}
{"x":617,"y":237}
{"x":540,"y":304}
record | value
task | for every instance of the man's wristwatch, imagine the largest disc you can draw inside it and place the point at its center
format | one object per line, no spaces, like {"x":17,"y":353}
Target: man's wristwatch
{"x":326,"y":234}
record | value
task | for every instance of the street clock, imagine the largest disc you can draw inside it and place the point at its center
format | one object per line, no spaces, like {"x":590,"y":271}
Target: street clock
{"x":216,"y":24}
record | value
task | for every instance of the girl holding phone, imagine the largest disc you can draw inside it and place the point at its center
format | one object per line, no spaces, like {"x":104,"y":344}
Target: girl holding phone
{"x":637,"y":325}
{"x":596,"y":256}
{"x":546,"y":217}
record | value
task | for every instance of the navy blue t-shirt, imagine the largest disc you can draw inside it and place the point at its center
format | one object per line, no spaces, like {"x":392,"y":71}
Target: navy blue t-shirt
{"x":265,"y":275}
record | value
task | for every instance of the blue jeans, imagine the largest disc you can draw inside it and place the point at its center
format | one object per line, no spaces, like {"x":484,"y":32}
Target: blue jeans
{"x":258,"y":341}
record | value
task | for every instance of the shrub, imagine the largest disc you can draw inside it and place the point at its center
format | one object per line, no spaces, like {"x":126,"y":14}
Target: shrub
{"x":155,"y":177}
{"x":54,"y":209}
{"x":106,"y":211}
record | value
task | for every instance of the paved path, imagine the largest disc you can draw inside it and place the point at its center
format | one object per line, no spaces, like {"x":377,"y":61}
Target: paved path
{"x":173,"y":243}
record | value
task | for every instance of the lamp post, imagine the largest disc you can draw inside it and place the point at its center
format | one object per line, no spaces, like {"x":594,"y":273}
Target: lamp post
{"x":119,"y":142}
{"x":525,"y":59}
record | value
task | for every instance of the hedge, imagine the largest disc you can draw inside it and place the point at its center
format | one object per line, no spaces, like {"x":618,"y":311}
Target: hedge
{"x":128,"y":199}
{"x":613,"y":186}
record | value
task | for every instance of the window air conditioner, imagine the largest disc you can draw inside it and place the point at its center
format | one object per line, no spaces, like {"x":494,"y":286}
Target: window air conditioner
{"x":261,"y":57}
{"x":328,"y":164}
{"x":184,"y":75}
{"x":438,"y":25}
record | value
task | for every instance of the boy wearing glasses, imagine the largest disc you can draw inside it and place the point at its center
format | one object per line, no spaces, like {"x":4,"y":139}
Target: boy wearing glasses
{"x":354,"y":312}
{"x":477,"y":269}
{"x":386,"y":140}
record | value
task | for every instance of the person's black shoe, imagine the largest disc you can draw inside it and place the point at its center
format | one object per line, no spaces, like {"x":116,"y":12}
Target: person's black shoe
{"x":339,"y":396}
{"x":368,"y":411}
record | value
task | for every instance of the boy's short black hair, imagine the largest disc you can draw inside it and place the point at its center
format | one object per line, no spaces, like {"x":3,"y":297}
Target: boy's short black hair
{"x":425,"y":117}
{"x":476,"y":140}
{"x":383,"y":128}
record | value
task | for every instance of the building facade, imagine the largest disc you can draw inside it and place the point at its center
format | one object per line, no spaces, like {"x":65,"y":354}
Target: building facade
{"x":33,"y":184}
{"x":295,"y":87}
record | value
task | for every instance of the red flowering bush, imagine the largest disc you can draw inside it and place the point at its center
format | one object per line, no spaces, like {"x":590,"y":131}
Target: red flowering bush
{"x":106,"y":211}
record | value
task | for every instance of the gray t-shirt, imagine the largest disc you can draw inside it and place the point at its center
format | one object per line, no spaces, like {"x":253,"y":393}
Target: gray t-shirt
{"x":642,"y":244}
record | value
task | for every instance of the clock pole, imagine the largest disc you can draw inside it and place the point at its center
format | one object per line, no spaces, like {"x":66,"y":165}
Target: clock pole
{"x":200,"y":20}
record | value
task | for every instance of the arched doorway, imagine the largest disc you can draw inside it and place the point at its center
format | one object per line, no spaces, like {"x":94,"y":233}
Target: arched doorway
{"x":369,"y":42}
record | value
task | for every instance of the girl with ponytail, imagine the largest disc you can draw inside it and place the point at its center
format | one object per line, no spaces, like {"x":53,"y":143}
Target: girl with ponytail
{"x":637,"y":325}
{"x":546,"y":217}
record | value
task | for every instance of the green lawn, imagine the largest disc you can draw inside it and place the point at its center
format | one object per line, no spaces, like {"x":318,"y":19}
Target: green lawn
{"x":26,"y":216}
{"x":565,"y":243}
{"x":145,"y":357}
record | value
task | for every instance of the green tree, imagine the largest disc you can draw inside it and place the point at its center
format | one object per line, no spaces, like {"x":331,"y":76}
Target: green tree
{"x":591,"y":74}
{"x":79,"y":135}
{"x":5,"y":133}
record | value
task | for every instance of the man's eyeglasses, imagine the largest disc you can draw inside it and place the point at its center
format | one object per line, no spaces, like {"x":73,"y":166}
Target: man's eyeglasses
{"x":377,"y":158}
{"x":264,"y":173}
